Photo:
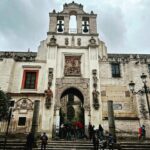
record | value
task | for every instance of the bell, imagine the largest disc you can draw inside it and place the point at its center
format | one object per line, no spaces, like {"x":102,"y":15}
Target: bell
{"x":60,"y":29}
{"x":85,"y":27}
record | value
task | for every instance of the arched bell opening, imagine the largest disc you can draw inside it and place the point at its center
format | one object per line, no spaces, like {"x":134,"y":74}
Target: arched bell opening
{"x":73,"y":23}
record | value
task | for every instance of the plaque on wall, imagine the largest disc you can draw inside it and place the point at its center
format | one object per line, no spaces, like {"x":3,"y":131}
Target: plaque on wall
{"x":72,"y":66}
{"x":117,"y":106}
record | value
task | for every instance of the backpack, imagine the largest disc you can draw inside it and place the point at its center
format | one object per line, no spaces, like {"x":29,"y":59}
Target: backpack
{"x":44,"y":139}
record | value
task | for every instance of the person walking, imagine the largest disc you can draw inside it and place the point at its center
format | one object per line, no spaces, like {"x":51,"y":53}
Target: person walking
{"x":44,"y":139}
{"x":30,"y":141}
{"x":140,"y":133}
{"x":100,"y":132}
{"x":90,"y":131}
{"x":143,"y":132}
{"x":95,"y":141}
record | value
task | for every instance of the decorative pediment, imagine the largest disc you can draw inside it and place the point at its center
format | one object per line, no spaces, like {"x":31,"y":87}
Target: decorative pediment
{"x":73,"y":8}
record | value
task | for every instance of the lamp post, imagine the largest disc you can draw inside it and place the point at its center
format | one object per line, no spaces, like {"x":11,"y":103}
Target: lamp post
{"x":145,"y":90}
{"x":6,"y":134}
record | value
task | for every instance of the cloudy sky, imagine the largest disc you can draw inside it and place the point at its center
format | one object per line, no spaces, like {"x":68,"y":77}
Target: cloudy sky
{"x":122,"y":24}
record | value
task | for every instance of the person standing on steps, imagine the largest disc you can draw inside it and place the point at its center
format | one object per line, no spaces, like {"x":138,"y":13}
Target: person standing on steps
{"x":30,"y":141}
{"x":143,"y":132}
{"x":95,"y":141}
{"x":90,"y":131}
{"x":44,"y":139}
{"x":140,"y":133}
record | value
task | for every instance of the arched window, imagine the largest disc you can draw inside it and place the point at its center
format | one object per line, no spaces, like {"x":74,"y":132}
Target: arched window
{"x":73,"y":24}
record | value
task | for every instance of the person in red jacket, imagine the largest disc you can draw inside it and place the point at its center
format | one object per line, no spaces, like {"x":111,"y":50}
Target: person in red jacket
{"x":140,"y":133}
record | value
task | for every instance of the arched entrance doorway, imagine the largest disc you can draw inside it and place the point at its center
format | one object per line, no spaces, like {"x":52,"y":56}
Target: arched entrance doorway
{"x":79,"y":87}
{"x":71,"y":106}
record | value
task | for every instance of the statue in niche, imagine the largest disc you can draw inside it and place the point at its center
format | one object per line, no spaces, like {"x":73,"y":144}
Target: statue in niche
{"x":23,"y":104}
{"x":66,"y":41}
{"x":73,"y":41}
{"x":52,"y":41}
{"x":92,"y":41}
{"x":79,"y":42}
{"x":49,"y":96}
{"x":95,"y":96}
{"x":50,"y":77}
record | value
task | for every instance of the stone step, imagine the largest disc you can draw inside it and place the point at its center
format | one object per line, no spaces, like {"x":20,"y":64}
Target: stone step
{"x":52,"y":145}
{"x":135,"y":146}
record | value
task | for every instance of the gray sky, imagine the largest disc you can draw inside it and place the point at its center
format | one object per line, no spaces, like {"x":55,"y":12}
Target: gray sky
{"x":122,"y":24}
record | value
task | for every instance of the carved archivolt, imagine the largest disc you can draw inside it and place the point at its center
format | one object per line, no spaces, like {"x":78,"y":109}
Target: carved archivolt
{"x":80,"y":84}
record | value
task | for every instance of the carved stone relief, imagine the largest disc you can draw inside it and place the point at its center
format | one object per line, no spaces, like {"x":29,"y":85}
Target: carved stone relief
{"x":79,"y":42}
{"x":66,"y":41}
{"x":72,"y":66}
{"x":48,"y":92}
{"x":92,"y":41}
{"x":23,"y":105}
{"x":52,"y":41}
{"x":95,"y":92}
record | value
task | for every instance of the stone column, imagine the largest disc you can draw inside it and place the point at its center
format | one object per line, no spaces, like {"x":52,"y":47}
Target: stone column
{"x":66,"y":24}
{"x":93,"y":26}
{"x":53,"y":23}
{"x":56,"y":122}
{"x":111,"y":119}
{"x":86,"y":118}
{"x":79,"y":24}
{"x":35,"y":119}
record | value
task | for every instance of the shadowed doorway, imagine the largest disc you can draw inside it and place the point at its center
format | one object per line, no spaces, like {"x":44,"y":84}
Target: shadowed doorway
{"x":71,"y":106}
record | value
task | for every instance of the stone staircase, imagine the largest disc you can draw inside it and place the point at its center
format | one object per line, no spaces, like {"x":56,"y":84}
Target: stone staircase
{"x":135,"y":145}
{"x":13,"y":144}
{"x":52,"y":145}
{"x":19,"y":144}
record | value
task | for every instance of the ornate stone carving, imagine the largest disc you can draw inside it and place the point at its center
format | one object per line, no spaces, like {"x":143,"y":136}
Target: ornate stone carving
{"x":50,"y":77}
{"x":52,"y":41}
{"x":72,"y":41}
{"x":49,"y":96}
{"x":72,"y":66}
{"x":23,"y":105}
{"x":95,"y":93}
{"x":48,"y":92}
{"x":79,"y":42}
{"x":92,"y":41}
{"x":66,"y":41}
{"x":27,"y":57}
{"x":79,"y":83}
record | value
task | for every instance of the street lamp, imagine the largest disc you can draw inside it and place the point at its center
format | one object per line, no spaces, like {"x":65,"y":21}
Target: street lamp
{"x":145,"y":90}
{"x":9,"y":119}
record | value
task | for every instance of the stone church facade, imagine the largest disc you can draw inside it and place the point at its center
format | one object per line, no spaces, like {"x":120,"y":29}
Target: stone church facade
{"x":73,"y":77}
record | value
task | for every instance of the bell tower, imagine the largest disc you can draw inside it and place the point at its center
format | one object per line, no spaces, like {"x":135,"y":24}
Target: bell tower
{"x":72,"y":50}
{"x":59,"y":21}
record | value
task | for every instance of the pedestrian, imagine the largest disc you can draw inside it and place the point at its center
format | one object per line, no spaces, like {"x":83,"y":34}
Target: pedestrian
{"x":95,"y":141}
{"x":140,"y":133}
{"x":30,"y":141}
{"x":100,"y":132}
{"x":143,"y":132}
{"x":44,"y":139}
{"x":110,"y":141}
{"x":90,"y":131}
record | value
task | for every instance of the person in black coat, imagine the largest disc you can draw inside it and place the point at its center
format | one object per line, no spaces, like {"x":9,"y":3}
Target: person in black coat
{"x":30,"y":141}
{"x":44,"y":140}
{"x":95,"y":141}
